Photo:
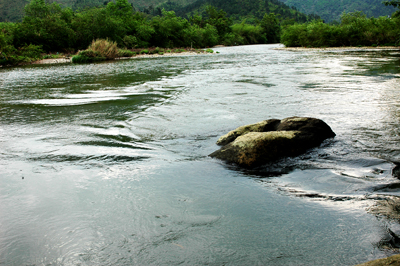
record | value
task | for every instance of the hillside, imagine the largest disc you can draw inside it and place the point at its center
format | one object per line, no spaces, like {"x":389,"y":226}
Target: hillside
{"x":331,"y":10}
{"x":240,"y":9}
{"x":13,"y":10}
{"x":327,"y":9}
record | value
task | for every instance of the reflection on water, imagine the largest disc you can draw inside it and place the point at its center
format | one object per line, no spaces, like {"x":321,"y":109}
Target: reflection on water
{"x":106,"y":164}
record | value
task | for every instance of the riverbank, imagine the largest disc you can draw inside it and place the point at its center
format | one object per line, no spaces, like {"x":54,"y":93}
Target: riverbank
{"x":63,"y":60}
{"x":390,"y":261}
{"x":347,"y":48}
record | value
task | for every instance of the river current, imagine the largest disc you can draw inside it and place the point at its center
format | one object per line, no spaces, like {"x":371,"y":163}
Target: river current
{"x":107,"y":163}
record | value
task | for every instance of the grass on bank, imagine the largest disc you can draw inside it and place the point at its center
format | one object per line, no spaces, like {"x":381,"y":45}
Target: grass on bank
{"x":104,"y":49}
{"x":98,"y":50}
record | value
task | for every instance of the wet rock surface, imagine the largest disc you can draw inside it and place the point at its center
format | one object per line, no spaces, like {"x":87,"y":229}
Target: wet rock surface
{"x":256,"y":144}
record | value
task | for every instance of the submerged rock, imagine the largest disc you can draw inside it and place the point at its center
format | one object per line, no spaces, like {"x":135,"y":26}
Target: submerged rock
{"x":266,"y":141}
{"x":388,"y":207}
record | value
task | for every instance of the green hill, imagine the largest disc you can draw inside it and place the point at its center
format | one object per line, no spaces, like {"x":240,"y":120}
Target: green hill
{"x":13,"y":10}
{"x":331,"y":10}
{"x":239,"y":9}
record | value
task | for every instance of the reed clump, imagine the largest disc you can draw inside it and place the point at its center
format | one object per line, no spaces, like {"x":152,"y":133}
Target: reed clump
{"x":100,"y":50}
{"x":105,"y":48}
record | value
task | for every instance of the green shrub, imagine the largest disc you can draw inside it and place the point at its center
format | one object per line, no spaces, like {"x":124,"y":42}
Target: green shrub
{"x":145,"y":51}
{"x":209,"y":51}
{"x":9,"y":55}
{"x":130,"y":41}
{"x":52,"y":56}
{"x":179,"y":50}
{"x":31,"y":51}
{"x":86,"y":59}
{"x":89,"y":53}
{"x":88,"y":56}
{"x":125,"y":53}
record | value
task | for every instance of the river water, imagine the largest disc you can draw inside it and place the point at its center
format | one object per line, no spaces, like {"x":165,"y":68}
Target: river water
{"x":106,"y":163}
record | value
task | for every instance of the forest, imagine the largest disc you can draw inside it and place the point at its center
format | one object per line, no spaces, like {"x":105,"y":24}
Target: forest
{"x":47,"y":27}
{"x":328,"y":10}
{"x":355,"y":29}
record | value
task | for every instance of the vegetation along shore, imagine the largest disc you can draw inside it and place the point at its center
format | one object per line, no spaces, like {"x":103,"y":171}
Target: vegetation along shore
{"x":48,"y":30}
{"x":144,"y":53}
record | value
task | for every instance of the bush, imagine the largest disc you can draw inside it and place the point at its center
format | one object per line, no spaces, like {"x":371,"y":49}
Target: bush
{"x":31,"y":51}
{"x":88,"y":56}
{"x":105,"y":48}
{"x":89,"y":53}
{"x":9,"y":55}
{"x":125,"y":53}
{"x":145,"y":51}
{"x":130,"y":41}
{"x":53,"y":56}
{"x":86,"y":59}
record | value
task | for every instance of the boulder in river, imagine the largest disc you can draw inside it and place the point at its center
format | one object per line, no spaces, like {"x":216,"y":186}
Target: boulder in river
{"x":256,"y":144}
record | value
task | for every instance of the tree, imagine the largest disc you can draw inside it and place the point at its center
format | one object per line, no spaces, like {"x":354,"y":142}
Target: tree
{"x":219,"y":19}
{"x":169,"y":30}
{"x":47,"y":25}
{"x":271,"y":28}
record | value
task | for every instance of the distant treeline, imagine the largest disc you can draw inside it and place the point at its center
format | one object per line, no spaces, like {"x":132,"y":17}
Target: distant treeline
{"x":355,"y":29}
{"x":50,"y":28}
{"x":54,"y":29}
{"x":240,"y":9}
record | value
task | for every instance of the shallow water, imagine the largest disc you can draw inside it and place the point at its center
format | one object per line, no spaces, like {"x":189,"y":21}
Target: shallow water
{"x":106,"y":164}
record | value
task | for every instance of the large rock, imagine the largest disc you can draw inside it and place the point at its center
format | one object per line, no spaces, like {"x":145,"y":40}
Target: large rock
{"x":269,"y":140}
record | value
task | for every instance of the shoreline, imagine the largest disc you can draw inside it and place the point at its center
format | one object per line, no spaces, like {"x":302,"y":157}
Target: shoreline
{"x":64,"y":60}
{"x":345,"y":48}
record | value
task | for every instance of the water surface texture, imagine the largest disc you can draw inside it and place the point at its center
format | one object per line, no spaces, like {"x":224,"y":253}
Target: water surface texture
{"x":106,"y":164}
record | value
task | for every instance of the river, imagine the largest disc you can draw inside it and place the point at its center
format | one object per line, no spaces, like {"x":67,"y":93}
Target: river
{"x":107,"y":163}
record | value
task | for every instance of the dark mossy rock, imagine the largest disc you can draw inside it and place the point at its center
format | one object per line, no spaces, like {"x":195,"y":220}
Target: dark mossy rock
{"x":256,"y":144}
